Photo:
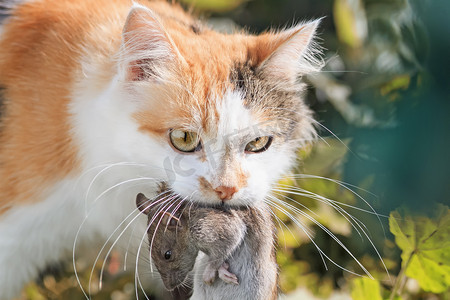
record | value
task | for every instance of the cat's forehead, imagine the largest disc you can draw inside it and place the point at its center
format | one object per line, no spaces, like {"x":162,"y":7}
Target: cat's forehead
{"x":220,"y":91}
{"x":248,"y":107}
{"x":211,"y":57}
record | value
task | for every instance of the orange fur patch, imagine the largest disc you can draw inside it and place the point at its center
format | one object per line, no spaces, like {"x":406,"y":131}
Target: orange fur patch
{"x":204,"y":184}
{"x":40,"y":53}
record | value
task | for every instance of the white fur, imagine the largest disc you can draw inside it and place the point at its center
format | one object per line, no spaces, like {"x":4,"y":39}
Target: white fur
{"x":237,"y":126}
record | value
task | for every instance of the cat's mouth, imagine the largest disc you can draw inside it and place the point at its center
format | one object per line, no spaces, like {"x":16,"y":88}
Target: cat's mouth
{"x":165,"y":192}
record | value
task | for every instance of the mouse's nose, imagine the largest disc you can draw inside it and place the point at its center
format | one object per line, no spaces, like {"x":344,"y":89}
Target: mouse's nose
{"x":225,"y":192}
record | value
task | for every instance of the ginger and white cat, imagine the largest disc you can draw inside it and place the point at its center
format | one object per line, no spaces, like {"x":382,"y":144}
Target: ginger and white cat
{"x":103,"y":99}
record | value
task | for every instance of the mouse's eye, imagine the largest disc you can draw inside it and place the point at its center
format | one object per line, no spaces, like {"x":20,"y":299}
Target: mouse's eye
{"x":168,"y":254}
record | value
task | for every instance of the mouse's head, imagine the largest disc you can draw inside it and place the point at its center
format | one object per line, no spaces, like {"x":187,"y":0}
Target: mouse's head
{"x":171,"y":250}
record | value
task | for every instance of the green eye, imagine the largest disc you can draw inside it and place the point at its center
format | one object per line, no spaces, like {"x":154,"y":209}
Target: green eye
{"x":185,"y":141}
{"x":259,"y":144}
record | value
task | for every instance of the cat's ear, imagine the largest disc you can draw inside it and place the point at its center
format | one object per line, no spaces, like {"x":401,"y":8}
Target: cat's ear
{"x":147,"y":51}
{"x":291,"y":53}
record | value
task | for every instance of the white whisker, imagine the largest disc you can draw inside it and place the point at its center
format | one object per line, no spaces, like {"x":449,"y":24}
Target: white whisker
{"x":109,"y":166}
{"x":295,"y":220}
{"x":117,"y":239}
{"x":345,"y":186}
{"x":341,"y":211}
{"x":137,"y":280}
{"x":354,"y":222}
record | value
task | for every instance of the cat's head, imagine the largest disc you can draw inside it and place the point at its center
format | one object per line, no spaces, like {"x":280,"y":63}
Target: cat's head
{"x":220,"y":117}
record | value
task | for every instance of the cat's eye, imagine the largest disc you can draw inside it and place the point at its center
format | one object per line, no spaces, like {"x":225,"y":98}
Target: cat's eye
{"x":259,"y":144}
{"x":168,"y":255}
{"x":185,"y":141}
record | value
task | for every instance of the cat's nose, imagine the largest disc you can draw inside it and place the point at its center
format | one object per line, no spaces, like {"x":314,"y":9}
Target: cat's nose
{"x":225,"y":192}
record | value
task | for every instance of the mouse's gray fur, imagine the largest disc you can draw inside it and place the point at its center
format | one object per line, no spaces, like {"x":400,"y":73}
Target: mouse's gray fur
{"x":238,"y":243}
{"x":253,"y":261}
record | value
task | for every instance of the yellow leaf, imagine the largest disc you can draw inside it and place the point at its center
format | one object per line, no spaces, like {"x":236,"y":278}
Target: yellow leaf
{"x":366,"y":289}
{"x":214,"y":5}
{"x":425,"y":245}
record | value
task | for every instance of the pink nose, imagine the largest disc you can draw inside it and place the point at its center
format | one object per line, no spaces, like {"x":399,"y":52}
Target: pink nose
{"x":225,"y":192}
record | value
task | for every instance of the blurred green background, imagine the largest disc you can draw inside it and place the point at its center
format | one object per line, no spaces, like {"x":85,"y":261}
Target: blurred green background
{"x":384,"y":94}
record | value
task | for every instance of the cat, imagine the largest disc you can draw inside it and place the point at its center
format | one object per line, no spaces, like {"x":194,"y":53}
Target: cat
{"x":103,"y":99}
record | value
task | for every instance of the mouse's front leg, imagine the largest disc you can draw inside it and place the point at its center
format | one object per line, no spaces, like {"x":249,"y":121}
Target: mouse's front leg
{"x":209,"y":274}
{"x":226,"y":275}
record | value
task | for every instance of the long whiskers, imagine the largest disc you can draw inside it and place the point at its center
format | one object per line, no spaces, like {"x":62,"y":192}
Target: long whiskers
{"x":88,"y":213}
{"x":346,"y":186}
{"x":106,"y":168}
{"x":137,"y":280}
{"x":172,"y":201}
{"x":279,"y":205}
{"x":342,"y":212}
{"x":117,"y":239}
{"x":357,"y":224}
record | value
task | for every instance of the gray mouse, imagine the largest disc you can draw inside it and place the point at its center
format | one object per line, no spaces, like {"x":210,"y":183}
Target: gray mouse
{"x":237,"y":244}
{"x":175,"y":239}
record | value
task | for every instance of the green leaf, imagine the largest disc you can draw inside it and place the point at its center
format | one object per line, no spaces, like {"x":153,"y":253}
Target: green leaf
{"x":366,"y":289}
{"x":425,"y":245}
{"x":350,"y":21}
{"x":400,"y":82}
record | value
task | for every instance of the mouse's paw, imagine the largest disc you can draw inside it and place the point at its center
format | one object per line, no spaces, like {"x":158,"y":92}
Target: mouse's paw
{"x":227,"y":276}
{"x":209,"y":274}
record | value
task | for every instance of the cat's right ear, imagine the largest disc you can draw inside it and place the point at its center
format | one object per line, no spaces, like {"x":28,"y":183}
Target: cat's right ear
{"x":147,"y":51}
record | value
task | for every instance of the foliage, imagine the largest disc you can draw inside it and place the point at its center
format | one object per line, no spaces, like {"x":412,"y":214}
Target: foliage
{"x":215,"y":5}
{"x":425,"y":245}
{"x":366,"y":289}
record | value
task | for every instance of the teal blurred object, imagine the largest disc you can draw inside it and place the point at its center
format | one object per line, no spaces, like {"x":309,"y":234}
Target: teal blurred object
{"x":408,"y":158}
{"x":411,"y":161}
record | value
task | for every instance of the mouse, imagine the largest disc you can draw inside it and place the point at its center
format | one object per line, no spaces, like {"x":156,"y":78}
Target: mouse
{"x":176,"y":238}
{"x":236,"y":245}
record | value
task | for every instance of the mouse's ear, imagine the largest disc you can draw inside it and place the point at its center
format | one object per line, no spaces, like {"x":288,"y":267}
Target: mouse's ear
{"x":143,"y":203}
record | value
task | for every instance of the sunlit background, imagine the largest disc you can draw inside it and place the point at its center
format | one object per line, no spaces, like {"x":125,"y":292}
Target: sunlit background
{"x":384,"y":102}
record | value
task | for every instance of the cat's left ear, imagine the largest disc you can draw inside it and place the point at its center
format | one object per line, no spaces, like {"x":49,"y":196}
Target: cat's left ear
{"x":291,"y":53}
{"x":147,"y":51}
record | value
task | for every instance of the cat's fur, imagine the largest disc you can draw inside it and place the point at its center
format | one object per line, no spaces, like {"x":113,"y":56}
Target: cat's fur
{"x":91,"y":89}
